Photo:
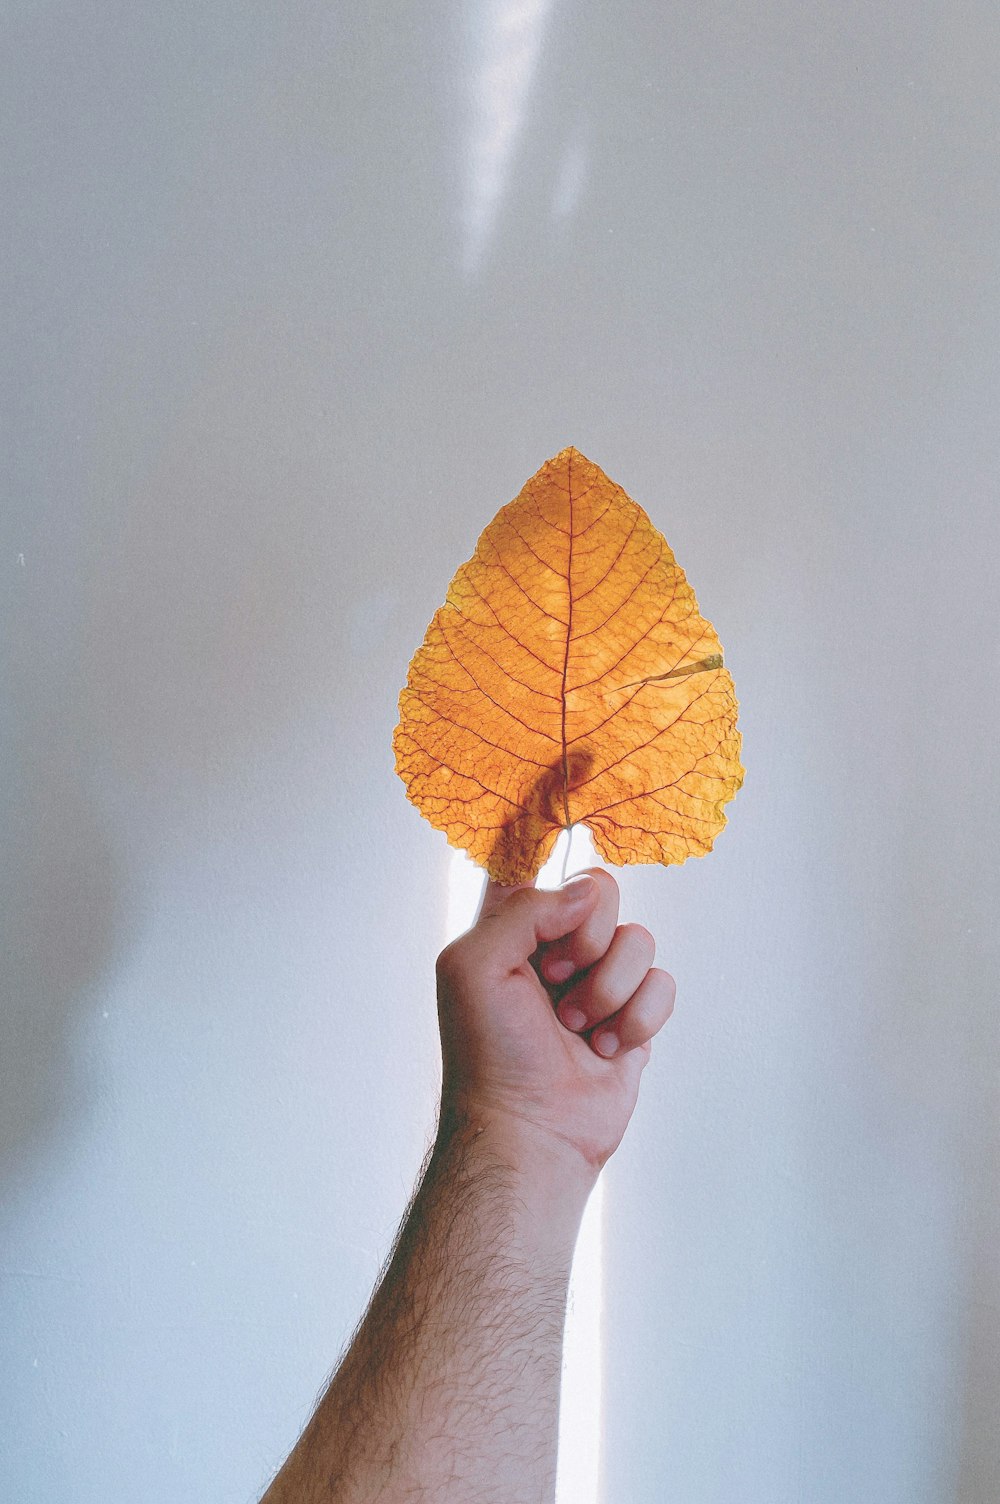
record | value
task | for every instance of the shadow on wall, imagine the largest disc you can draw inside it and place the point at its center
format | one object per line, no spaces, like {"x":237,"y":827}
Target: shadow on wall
{"x":935,"y":1039}
{"x":979,"y":1464}
{"x":61,"y":911}
{"x":200,"y":610}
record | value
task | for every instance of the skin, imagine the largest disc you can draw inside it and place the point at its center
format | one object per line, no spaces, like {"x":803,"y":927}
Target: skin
{"x":449,"y":1390}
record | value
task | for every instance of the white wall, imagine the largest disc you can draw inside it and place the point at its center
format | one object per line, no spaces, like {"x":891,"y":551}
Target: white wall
{"x":298,"y":296}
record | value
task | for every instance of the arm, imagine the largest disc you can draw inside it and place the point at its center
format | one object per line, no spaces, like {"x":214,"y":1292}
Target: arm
{"x":450,"y":1389}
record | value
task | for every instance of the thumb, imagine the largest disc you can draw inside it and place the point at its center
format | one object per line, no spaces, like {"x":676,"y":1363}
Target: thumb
{"x":523,"y":918}
{"x":495,"y":894}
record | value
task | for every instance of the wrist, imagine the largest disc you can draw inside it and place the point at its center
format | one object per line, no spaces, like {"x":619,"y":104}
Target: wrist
{"x":549,"y":1179}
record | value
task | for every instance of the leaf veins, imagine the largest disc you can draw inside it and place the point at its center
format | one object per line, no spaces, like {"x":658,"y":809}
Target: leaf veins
{"x":569,"y":678}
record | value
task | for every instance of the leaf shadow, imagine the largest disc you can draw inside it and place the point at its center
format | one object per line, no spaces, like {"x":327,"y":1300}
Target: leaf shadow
{"x":64,"y":916}
{"x":544,"y":809}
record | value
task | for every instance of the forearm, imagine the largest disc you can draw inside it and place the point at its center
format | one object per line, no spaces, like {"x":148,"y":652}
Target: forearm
{"x":450,"y":1389}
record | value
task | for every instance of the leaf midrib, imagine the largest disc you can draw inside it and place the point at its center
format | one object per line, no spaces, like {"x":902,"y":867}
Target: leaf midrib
{"x":569,"y":636}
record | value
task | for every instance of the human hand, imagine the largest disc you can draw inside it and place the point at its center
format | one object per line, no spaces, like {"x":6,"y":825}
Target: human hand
{"x":547,"y":1009}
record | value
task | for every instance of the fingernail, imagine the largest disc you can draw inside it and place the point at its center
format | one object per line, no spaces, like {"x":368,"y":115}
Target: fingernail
{"x":578,"y":887}
{"x":607,"y":1044}
{"x":572,"y":1018}
{"x":558,"y":970}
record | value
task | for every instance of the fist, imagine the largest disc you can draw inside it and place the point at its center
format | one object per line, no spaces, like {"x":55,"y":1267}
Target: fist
{"x":548,"y":1008}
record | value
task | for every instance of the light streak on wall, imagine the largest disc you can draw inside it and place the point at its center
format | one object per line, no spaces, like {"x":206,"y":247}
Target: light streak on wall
{"x":581,"y":1408}
{"x":506,"y":43}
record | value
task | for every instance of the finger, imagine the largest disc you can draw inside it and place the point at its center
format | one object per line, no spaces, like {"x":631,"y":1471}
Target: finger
{"x":642,"y":1017}
{"x":609,"y":984}
{"x":495,"y":894}
{"x":629,"y":1065}
{"x":507,"y":937}
{"x":591,"y":939}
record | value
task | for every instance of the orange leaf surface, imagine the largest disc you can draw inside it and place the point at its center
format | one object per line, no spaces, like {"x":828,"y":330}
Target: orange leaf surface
{"x":569,"y":678}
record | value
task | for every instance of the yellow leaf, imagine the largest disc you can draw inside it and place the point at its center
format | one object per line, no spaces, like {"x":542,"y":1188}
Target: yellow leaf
{"x":569,"y":678}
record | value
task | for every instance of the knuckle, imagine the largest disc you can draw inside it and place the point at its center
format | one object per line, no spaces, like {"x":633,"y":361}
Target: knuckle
{"x":664,"y":981}
{"x":659,"y":999}
{"x":600,"y":1000}
{"x":453,"y":960}
{"x":524,"y":900}
{"x":640,"y":939}
{"x":587,"y":949}
{"x":602,"y":876}
{"x":638,"y":1027}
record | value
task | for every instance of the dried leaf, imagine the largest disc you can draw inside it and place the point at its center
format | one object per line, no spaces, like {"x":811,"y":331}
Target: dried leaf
{"x":569,"y":679}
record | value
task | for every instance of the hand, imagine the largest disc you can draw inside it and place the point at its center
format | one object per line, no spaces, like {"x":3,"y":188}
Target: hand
{"x":547,"y":1009}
